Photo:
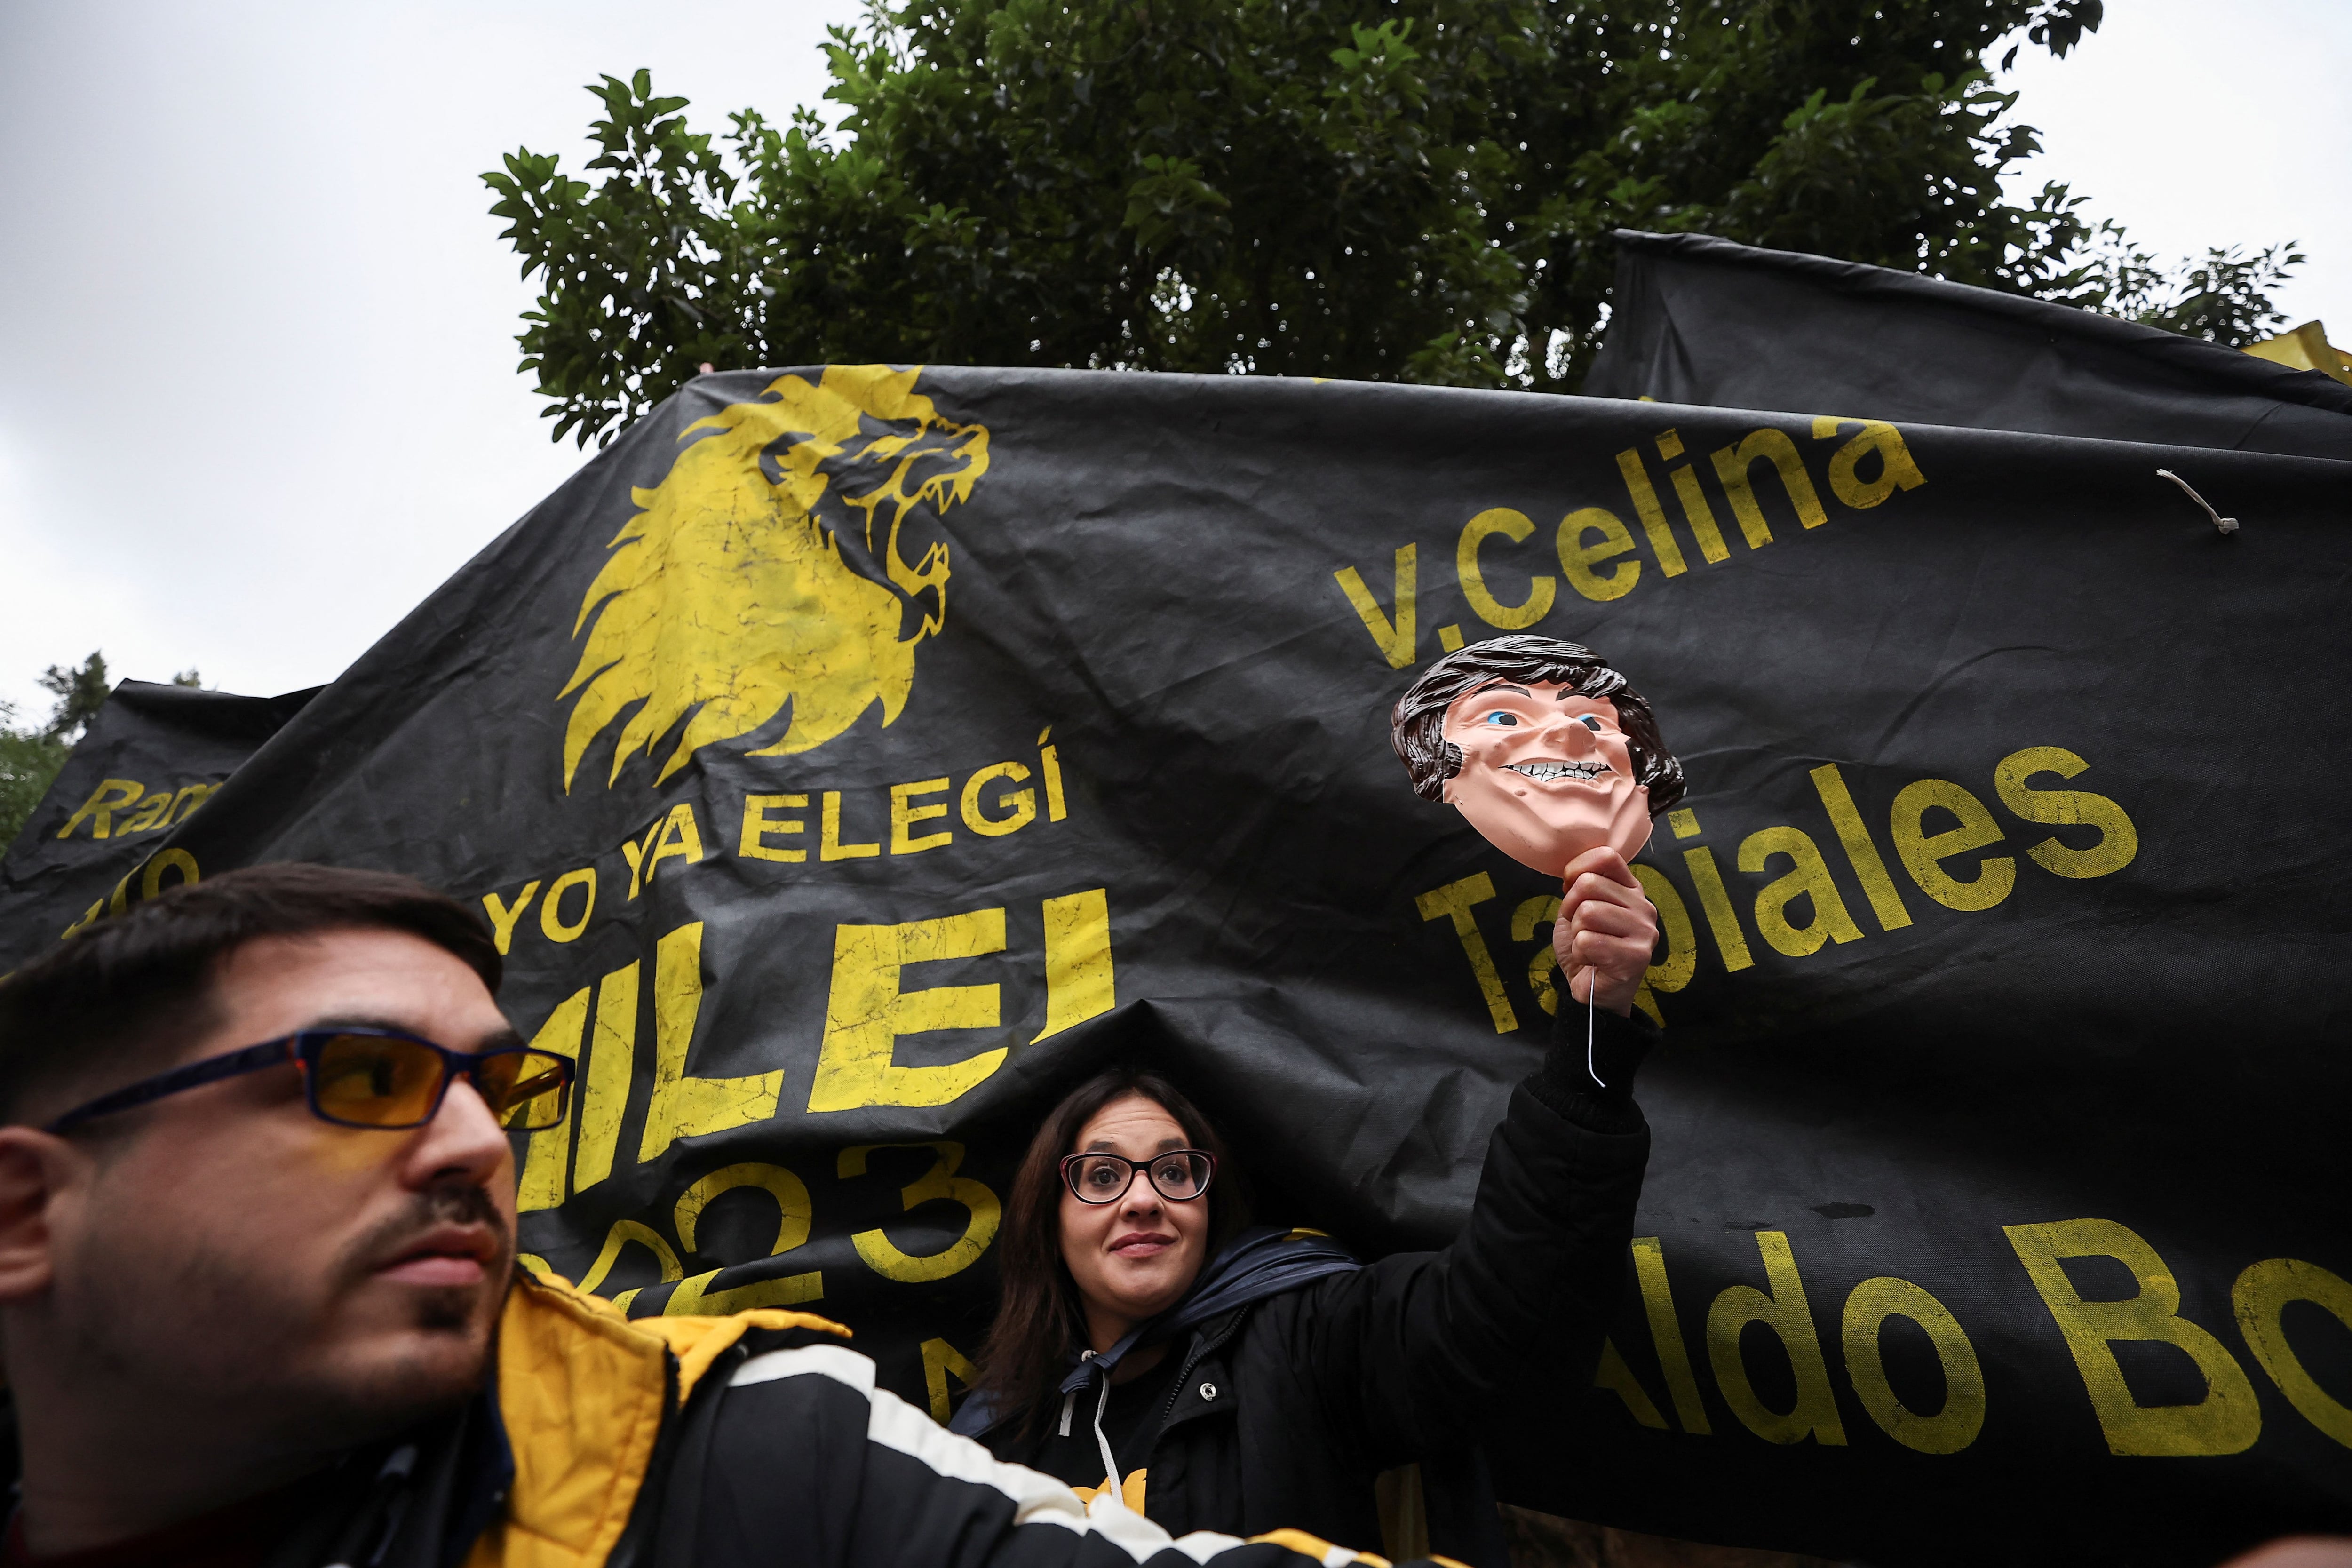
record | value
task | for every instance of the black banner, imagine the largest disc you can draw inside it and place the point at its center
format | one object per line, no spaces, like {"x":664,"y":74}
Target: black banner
{"x":153,"y":755}
{"x":1700,"y":320}
{"x":849,"y":760}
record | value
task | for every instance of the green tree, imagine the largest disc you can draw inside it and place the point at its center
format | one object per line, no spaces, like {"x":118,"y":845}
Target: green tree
{"x":29,"y":760}
{"x":80,"y":691}
{"x":2225,"y":297}
{"x":1416,"y":190}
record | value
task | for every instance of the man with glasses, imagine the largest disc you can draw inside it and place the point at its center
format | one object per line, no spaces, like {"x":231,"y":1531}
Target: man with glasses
{"x":258,"y":1302}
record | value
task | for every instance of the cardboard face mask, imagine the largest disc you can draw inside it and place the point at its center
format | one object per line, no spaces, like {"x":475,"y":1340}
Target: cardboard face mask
{"x":1546,"y":773}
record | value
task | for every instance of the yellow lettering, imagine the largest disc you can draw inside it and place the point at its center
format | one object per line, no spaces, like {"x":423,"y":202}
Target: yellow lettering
{"x":1895,"y":470}
{"x":1810,"y":879}
{"x":795,"y":1213}
{"x":624,"y":1233}
{"x":867,"y":1011}
{"x":151,"y":813}
{"x":1732,"y":467}
{"x":1674,"y":971}
{"x":1653,"y":516}
{"x":684,"y":1107}
{"x":1050,"y":761}
{"x":1923,"y":852}
{"x":1618,"y":1379}
{"x":2226,"y":1421}
{"x":757,"y":824}
{"x":1394,"y":639}
{"x":1699,"y":514}
{"x":939,"y":1182}
{"x":829,"y":844}
{"x":680,"y":840}
{"x":98,"y":810}
{"x":1544,"y":962}
{"x":635,"y":854}
{"x":1021,"y":805}
{"x":1861,"y":852}
{"x":1078,"y":979}
{"x":2119,"y":839}
{"x":605,"y":1089}
{"x":1514,"y":526}
{"x":1783,"y":1310}
{"x":1951,"y":1428}
{"x":905,"y":815}
{"x":1454,"y":902}
{"x":503,"y":918}
{"x":1577,"y":558}
{"x":150,"y":880}
{"x":551,"y":922}
{"x":1666,"y":1335}
{"x":545,"y":1157}
{"x":940,"y":1361}
{"x":1714,"y":902}
{"x":2259,"y":1298}
{"x":194,"y":796}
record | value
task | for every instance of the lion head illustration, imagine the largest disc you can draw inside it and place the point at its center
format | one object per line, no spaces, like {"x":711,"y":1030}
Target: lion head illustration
{"x":766,"y":571}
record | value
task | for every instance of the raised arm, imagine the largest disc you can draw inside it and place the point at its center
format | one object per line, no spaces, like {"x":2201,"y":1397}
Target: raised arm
{"x":1413,"y":1349}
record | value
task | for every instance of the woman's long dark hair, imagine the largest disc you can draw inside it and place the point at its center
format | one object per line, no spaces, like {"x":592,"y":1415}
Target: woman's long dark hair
{"x":1040,"y":1324}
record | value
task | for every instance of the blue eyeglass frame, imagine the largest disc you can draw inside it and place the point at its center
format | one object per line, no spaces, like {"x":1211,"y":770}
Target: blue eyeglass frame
{"x":303,"y":1049}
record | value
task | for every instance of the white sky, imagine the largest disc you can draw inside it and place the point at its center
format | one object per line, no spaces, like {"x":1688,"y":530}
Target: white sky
{"x":258,"y":386}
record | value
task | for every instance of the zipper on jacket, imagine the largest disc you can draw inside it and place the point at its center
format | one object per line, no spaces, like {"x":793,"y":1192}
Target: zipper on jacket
{"x":1176,"y":1389}
{"x":642,"y":1535}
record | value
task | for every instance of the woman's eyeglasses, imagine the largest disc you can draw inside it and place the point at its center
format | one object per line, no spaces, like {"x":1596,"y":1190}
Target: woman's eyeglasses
{"x":373,"y":1077}
{"x":1177,"y":1175}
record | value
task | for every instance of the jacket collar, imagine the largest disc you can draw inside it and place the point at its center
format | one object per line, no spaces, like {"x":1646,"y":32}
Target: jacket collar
{"x":1267,"y":1260}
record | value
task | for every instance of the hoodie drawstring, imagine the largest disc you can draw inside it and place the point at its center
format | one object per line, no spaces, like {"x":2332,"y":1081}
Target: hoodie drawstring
{"x":1112,"y":1480}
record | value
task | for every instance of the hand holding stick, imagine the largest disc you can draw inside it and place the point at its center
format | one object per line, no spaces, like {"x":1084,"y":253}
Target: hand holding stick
{"x":1606,"y":930}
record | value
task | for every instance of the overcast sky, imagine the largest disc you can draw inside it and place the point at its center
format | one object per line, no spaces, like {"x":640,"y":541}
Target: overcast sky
{"x":258,"y":386}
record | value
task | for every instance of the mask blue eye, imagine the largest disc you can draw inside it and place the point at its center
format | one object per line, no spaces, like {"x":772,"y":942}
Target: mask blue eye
{"x":1501,"y":720}
{"x":1593,"y":723}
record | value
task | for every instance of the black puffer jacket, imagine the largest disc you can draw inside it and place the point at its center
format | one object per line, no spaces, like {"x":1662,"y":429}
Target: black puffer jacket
{"x":1287,"y":1410}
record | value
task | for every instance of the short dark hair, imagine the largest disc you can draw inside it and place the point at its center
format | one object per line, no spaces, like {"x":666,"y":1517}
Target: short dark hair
{"x":139,"y":985}
{"x":1040,"y":1326}
{"x":1417,"y":725}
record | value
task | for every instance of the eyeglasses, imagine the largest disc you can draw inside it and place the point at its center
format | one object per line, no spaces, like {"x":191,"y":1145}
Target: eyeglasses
{"x":372,"y":1078}
{"x":1177,"y":1175}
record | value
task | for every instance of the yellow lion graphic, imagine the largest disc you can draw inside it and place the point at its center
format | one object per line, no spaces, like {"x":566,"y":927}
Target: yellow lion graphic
{"x":747,"y":581}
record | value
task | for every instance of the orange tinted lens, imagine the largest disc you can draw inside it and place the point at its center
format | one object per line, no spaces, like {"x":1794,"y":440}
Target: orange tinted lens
{"x":376,"y":1082}
{"x":524,"y":1090}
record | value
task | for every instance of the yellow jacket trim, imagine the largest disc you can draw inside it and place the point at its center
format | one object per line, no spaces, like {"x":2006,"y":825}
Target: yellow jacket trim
{"x":583,"y":1392}
{"x":1316,"y":1547}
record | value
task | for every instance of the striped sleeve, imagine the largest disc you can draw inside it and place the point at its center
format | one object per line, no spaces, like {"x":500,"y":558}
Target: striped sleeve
{"x":812,"y":1466}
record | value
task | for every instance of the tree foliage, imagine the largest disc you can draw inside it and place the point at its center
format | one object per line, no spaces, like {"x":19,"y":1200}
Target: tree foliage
{"x":1417,"y":190}
{"x":2225,"y":297}
{"x":80,"y":690}
{"x":30,"y":758}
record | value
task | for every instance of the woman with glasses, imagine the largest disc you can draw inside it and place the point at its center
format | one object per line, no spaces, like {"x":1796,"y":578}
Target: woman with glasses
{"x":1214,"y":1376}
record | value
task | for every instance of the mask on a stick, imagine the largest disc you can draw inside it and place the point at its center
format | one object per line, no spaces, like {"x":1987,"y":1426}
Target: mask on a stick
{"x":1544,"y":748}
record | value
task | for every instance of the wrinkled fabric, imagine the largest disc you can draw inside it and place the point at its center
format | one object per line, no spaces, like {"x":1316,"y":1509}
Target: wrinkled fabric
{"x":2002,"y":970}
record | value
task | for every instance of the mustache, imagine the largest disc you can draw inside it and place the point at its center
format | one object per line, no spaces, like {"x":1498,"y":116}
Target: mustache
{"x":451,"y":1203}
